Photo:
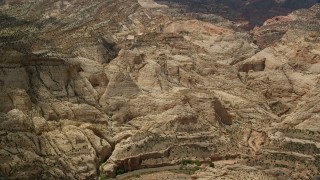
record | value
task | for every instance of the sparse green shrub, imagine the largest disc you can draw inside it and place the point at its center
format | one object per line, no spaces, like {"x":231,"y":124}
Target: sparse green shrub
{"x":186,"y":161}
{"x":212,"y":165}
{"x":103,"y":176}
{"x":189,"y":169}
{"x":110,"y":114}
{"x":189,"y":161}
{"x":194,"y":169}
{"x":120,"y":171}
{"x":197,"y":162}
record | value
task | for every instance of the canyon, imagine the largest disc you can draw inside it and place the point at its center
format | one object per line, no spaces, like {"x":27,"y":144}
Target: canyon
{"x":153,"y":89}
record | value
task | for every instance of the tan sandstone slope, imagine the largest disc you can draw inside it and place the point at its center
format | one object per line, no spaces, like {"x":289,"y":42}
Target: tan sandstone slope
{"x":96,"y":88}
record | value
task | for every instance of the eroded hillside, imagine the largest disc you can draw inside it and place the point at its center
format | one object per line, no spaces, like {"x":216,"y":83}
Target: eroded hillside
{"x":98,"y":88}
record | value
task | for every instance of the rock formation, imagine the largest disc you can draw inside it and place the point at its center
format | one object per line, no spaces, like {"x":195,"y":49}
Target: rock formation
{"x":97,"y":88}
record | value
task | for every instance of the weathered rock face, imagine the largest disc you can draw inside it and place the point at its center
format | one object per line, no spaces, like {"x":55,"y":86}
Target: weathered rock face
{"x":95,"y":88}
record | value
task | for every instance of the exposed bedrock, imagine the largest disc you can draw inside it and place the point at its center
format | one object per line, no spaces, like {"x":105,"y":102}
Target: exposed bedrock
{"x":93,"y":89}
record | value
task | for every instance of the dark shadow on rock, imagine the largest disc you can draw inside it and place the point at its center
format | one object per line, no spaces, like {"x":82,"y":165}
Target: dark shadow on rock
{"x":255,"y":12}
{"x":221,"y":112}
{"x":109,"y":49}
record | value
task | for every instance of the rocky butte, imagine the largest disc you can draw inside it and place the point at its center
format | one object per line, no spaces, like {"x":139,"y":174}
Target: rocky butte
{"x":160,"y":89}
